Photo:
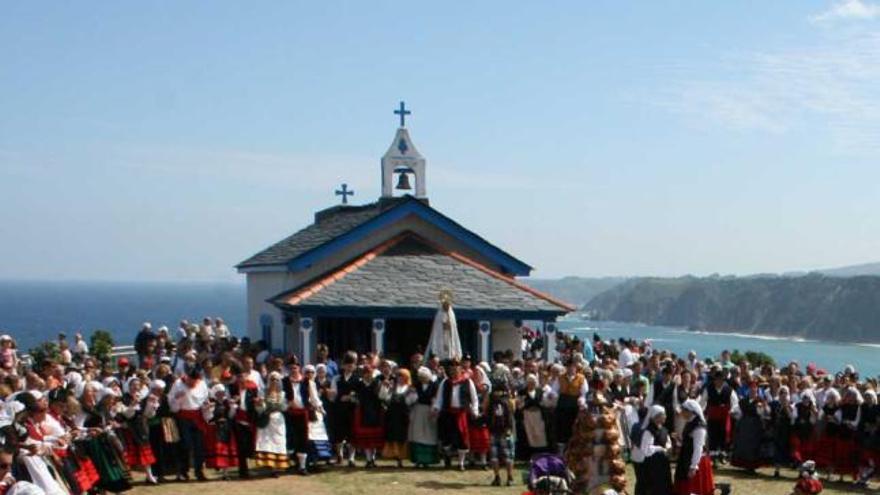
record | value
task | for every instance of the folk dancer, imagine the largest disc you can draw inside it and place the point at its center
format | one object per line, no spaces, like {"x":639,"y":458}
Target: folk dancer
{"x":571,"y":391}
{"x":422,"y":426}
{"x":302,"y":404}
{"x":395,"y":395}
{"x":720,"y":402}
{"x":271,"y":438}
{"x":188,"y":394}
{"x":693,"y":471}
{"x":343,"y":393}
{"x":456,"y":400}
{"x":219,"y":414}
{"x":368,"y":432}
{"x":656,"y":446}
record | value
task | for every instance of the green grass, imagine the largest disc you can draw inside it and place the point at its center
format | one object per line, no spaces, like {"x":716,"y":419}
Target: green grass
{"x":387,"y":480}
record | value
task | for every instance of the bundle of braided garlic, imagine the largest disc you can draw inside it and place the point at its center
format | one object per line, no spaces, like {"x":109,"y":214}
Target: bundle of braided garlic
{"x":594,"y":452}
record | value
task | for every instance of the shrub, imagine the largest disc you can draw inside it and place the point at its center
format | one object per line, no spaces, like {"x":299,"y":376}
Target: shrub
{"x":44,"y":354}
{"x":101,"y":345}
{"x":756,"y":359}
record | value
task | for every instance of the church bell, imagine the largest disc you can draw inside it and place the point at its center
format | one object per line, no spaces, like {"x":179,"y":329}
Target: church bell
{"x":403,"y":182}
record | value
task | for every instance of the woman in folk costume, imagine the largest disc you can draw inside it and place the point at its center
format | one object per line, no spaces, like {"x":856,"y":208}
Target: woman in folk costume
{"x":683,"y":391}
{"x":94,"y":425}
{"x":37,"y":447}
{"x":163,"y":432}
{"x":656,"y":446}
{"x":187,"y":396}
{"x":782,"y":414}
{"x":320,"y":448}
{"x":134,"y":431}
{"x":478,"y":427}
{"x":302,"y":403}
{"x":533,"y":402}
{"x":368,"y":432}
{"x":343,"y":393}
{"x":693,"y":471}
{"x":271,"y":443}
{"x":803,"y":435}
{"x":869,"y":440}
{"x":455,"y":402}
{"x":244,"y":392}
{"x":749,"y":436}
{"x":395,"y":395}
{"x":422,"y":425}
{"x":571,"y":391}
{"x":829,"y":430}
{"x":846,"y":452}
{"x":221,"y":451}
{"x":78,"y":468}
{"x":721,"y":401}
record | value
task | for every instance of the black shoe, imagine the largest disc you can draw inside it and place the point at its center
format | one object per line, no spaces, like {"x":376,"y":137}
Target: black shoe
{"x":244,"y":475}
{"x":496,"y":481}
{"x":200,"y":476}
{"x":303,"y":472}
{"x":161,"y":480}
{"x":276,"y":474}
{"x":400,"y":463}
{"x":447,"y":463}
{"x":509,"y":481}
{"x":351,"y":464}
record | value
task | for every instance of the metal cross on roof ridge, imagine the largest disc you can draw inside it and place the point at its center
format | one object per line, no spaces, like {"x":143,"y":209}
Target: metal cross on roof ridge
{"x":345,"y":193}
{"x":403,"y":112}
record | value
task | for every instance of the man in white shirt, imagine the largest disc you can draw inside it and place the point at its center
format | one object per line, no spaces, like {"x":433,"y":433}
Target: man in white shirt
{"x":456,"y":400}
{"x":186,"y":399}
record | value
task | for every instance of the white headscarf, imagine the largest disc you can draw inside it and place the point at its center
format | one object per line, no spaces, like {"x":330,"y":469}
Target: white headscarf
{"x":424,"y":373}
{"x":653,"y":412}
{"x":694,"y":407}
{"x":217,"y":389}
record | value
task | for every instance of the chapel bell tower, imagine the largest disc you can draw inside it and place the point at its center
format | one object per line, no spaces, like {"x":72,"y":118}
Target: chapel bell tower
{"x":402,"y":163}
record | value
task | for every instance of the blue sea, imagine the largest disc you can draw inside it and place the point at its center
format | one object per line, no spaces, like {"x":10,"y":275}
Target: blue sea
{"x":33,"y":312}
{"x":832,"y":356}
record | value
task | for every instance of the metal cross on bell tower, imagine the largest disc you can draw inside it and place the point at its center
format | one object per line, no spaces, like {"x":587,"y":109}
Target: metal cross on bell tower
{"x":403,"y":112}
{"x":345,"y":193}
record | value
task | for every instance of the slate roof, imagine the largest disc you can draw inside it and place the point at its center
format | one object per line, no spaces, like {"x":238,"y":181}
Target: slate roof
{"x":334,"y":223}
{"x":408,"y":273}
{"x":328,"y":225}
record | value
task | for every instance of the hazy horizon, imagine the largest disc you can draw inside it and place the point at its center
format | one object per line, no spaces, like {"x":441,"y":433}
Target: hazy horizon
{"x":163,"y":142}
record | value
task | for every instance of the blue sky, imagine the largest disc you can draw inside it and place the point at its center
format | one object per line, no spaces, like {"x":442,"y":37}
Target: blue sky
{"x":170,"y":140}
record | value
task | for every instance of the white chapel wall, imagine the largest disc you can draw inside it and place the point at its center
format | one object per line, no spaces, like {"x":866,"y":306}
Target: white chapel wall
{"x":505,"y":336}
{"x":262,"y":286}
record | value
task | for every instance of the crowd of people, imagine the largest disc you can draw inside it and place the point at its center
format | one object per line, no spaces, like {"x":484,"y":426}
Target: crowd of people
{"x":198,"y":398}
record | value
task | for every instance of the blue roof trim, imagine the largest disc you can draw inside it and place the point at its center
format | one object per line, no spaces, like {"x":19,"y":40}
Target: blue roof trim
{"x":509,"y":264}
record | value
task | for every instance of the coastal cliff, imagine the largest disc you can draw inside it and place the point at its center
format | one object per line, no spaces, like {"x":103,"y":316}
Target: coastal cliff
{"x":813,"y":306}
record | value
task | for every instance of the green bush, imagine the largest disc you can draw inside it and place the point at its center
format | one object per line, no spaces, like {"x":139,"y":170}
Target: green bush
{"x":101,"y":345}
{"x":756,"y":359}
{"x":45,"y":353}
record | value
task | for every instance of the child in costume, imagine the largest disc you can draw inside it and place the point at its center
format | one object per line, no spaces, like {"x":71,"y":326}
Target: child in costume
{"x":501,"y":424}
{"x":808,"y":483}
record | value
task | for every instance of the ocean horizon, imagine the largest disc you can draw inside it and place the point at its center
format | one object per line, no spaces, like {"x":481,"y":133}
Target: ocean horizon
{"x":33,"y":311}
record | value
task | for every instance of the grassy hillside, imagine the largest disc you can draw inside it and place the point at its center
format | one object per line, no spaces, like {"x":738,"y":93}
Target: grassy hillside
{"x":811,"y":306}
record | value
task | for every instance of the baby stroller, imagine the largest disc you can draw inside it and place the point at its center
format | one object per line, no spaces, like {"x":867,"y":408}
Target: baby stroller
{"x":548,"y":475}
